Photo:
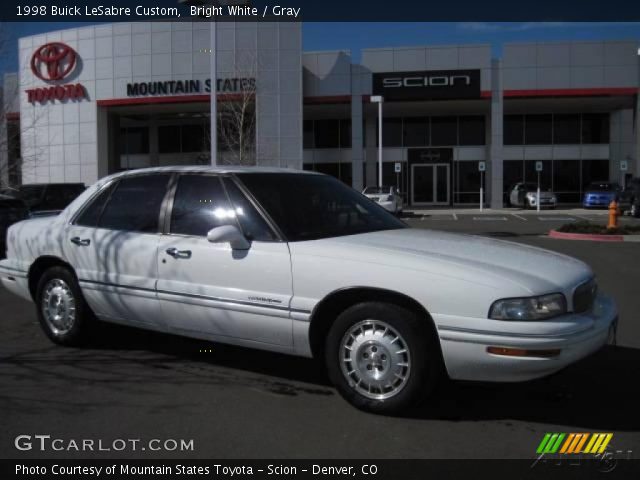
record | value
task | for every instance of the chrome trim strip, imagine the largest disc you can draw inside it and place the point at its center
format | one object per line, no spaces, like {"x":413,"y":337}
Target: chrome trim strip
{"x":201,"y":297}
{"x":2,"y":267}
{"x":508,"y":334}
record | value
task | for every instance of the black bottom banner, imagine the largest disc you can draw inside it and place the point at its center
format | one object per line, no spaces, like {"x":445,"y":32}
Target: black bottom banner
{"x":367,"y":469}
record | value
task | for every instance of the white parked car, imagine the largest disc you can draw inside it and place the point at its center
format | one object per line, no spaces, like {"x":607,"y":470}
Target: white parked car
{"x":387,"y":197}
{"x":525,"y":195}
{"x":296,"y":262}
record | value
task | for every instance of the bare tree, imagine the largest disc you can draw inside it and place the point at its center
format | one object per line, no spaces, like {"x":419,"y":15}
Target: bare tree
{"x":236,"y":114}
{"x":19,"y":154}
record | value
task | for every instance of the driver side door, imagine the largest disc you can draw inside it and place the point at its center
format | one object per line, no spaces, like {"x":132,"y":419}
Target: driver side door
{"x":211,"y":290}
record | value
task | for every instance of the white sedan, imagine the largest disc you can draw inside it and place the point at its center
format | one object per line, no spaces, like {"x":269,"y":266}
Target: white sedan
{"x":387,"y":197}
{"x":298,"y":263}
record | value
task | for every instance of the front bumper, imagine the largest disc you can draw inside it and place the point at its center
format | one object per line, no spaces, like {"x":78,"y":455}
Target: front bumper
{"x":544,"y":203}
{"x":575,"y":335}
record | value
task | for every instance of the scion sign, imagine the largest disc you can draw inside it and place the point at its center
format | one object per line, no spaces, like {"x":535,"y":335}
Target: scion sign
{"x":427,"y":85}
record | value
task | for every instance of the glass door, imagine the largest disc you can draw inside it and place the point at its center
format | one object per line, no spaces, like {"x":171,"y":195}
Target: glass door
{"x":430,"y":184}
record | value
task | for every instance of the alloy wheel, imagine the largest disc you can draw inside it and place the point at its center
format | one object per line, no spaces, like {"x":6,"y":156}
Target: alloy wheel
{"x":58,"y":306}
{"x":375,"y":359}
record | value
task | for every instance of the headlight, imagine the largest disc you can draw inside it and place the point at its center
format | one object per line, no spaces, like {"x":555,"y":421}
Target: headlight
{"x":531,"y":308}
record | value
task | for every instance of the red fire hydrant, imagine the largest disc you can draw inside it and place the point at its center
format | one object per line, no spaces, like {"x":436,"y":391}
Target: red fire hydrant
{"x":613,"y":215}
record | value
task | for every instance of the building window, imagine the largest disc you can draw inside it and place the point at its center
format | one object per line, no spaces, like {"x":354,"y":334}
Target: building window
{"x":594,"y":171}
{"x":538,"y":129}
{"x":444,"y":131}
{"x":531,"y":176}
{"x":327,"y":133}
{"x":471,"y":130}
{"x":566,"y":180}
{"x":195,"y":138}
{"x":595,"y":128}
{"x":513,"y":129}
{"x":467,"y":182}
{"x":307,"y":134}
{"x":416,"y":132}
{"x":345,"y":133}
{"x":391,"y":132}
{"x":134,"y":140}
{"x":566,"y":129}
{"x":169,"y":139}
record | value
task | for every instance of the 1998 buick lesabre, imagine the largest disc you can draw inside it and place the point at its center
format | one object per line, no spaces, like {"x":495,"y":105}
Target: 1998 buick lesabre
{"x":297,"y":262}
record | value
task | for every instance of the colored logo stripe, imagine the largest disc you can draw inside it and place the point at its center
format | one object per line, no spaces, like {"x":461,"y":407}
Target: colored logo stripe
{"x":551,"y":443}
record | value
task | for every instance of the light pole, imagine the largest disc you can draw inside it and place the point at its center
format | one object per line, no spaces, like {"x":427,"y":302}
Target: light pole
{"x":213,"y":112}
{"x":379,"y":99}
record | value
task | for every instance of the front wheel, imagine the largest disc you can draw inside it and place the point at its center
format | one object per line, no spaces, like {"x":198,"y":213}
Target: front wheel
{"x":382,"y":358}
{"x":62,"y":311}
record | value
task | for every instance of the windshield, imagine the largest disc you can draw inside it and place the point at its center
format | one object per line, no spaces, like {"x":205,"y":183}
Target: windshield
{"x":377,"y":190}
{"x":602,"y":187}
{"x":309,"y":207}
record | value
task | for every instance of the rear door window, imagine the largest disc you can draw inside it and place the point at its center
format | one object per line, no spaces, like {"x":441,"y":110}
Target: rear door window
{"x":135,"y":204}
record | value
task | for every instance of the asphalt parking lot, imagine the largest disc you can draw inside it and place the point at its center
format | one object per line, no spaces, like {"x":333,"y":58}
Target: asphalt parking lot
{"x":239,"y":403}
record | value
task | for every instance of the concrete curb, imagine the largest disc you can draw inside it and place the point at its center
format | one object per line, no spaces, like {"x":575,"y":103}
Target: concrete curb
{"x":593,"y":237}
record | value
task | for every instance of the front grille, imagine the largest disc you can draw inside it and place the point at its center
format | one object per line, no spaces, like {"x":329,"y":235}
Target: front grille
{"x":584,"y":296}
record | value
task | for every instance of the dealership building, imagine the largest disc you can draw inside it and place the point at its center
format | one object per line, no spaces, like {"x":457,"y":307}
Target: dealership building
{"x":95,"y":100}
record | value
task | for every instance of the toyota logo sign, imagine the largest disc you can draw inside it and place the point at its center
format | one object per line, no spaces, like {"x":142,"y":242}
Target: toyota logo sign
{"x":53,"y":61}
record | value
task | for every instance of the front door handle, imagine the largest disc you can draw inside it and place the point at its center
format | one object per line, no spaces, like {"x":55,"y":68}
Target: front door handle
{"x":82,"y":242}
{"x":175,"y":253}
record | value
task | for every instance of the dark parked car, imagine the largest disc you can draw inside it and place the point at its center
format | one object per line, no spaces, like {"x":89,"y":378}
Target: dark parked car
{"x":12,"y":210}
{"x":600,"y":194}
{"x":42,"y":198}
{"x":630,"y":197}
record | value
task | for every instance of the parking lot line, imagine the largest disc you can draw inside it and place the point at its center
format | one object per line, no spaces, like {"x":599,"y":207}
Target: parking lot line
{"x":556,"y":219}
{"x":491,"y":218}
{"x":519,"y":216}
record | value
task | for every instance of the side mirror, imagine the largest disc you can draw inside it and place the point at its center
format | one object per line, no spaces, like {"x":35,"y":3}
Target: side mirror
{"x":229,"y":234}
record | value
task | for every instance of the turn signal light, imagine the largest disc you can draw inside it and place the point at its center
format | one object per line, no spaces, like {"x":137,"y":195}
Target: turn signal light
{"x":520,"y":352}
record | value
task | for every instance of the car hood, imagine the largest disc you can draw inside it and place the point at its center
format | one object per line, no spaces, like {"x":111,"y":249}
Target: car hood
{"x":542,"y":194}
{"x":476,"y":259}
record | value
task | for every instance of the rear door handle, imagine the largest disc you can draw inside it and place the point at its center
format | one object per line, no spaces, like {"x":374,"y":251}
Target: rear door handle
{"x":175,"y":253}
{"x":82,"y":242}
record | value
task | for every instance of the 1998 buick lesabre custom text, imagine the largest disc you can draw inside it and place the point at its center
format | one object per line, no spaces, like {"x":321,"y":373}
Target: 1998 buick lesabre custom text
{"x":296,"y":262}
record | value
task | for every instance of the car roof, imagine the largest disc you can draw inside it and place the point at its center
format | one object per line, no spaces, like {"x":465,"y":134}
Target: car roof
{"x":212,"y":169}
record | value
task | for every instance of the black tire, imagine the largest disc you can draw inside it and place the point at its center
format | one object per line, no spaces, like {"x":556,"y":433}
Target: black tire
{"x":78,"y":331}
{"x":420,"y":339}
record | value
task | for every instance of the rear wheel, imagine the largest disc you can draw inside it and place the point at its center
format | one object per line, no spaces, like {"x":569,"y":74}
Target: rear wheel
{"x":382,"y":358}
{"x":62,"y":311}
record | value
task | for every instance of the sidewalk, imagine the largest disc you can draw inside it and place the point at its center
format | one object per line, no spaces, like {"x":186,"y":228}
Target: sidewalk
{"x":504,"y":211}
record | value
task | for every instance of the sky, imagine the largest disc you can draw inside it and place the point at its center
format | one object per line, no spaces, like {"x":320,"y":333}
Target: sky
{"x":356,"y":36}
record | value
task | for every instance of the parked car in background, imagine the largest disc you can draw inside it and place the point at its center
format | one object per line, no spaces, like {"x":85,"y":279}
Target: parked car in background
{"x":600,"y":194}
{"x":387,"y":197}
{"x":630,"y":197}
{"x":524,"y":195}
{"x":299,"y":263}
{"x":12,"y":210}
{"x":46,"y":198}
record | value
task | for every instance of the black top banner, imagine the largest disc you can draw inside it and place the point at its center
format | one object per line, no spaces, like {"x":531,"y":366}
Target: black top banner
{"x":326,"y":10}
